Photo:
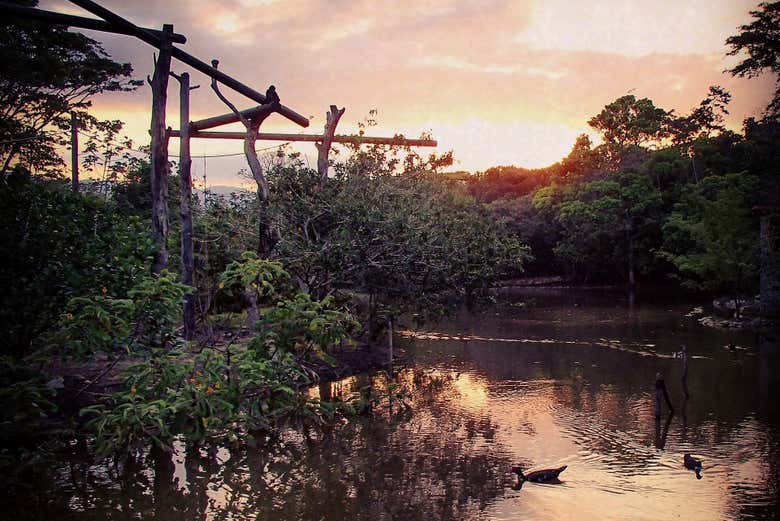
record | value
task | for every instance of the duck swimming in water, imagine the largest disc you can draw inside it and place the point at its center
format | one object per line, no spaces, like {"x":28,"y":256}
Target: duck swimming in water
{"x":693,"y":464}
{"x":539,"y":476}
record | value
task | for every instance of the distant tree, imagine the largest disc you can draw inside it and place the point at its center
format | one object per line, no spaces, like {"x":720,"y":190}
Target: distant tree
{"x":45,"y":73}
{"x":630,"y":121}
{"x":609,"y":227}
{"x":700,"y":123}
{"x":582,"y":161}
{"x":761,"y":41}
{"x":712,"y":234}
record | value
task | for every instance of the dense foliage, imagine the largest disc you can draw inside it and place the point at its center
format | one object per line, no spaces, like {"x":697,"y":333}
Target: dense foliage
{"x":663,"y":198}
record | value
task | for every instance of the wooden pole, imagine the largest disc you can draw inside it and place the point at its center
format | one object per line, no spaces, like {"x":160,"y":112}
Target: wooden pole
{"x":159,"y":173}
{"x":52,"y":18}
{"x":323,"y":149}
{"x":157,"y":41}
{"x":74,"y":152}
{"x":232,"y":117}
{"x":359,"y":140}
{"x":185,"y":174}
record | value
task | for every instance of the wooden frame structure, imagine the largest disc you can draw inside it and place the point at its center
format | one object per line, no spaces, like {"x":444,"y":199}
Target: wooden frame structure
{"x":164,"y":41}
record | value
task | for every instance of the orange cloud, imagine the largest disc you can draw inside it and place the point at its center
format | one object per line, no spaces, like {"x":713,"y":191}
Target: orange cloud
{"x":498,"y":81}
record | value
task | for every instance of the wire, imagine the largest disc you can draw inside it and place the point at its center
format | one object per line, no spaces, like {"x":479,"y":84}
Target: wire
{"x":236,"y":154}
{"x":22,"y":139}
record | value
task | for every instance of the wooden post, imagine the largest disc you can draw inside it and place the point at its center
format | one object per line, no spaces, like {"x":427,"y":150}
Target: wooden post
{"x":266,"y":240}
{"x":185,"y":174}
{"x":157,"y":40}
{"x":74,"y":152}
{"x":323,"y":149}
{"x":159,"y":173}
{"x":660,"y":391}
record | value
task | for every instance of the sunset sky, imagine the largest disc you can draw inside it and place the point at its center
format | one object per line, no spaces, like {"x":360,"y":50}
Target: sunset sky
{"x":498,"y":82}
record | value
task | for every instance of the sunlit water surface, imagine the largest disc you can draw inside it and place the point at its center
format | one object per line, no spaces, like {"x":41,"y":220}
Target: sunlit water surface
{"x":565,"y":380}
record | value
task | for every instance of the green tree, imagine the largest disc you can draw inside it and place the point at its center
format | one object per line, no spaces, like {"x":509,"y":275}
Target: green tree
{"x":712,"y":235}
{"x":56,"y":245}
{"x":609,"y":227}
{"x":628,"y":123}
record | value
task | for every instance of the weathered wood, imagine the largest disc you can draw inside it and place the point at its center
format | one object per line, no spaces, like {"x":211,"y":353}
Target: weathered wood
{"x":252,"y":126}
{"x":226,"y":119}
{"x":185,"y":206}
{"x":362,"y":140}
{"x":93,"y":24}
{"x":159,"y":170}
{"x":155,"y":41}
{"x":323,"y":149}
{"x":74,"y":152}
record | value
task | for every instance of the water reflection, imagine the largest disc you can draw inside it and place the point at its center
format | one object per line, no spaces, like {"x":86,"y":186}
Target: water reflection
{"x":540,"y":387}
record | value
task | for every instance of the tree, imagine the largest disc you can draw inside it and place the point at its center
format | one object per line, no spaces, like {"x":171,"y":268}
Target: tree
{"x":45,"y":73}
{"x":608,"y":227}
{"x":712,"y":234}
{"x":700,"y":123}
{"x":628,"y":123}
{"x":760,"y":39}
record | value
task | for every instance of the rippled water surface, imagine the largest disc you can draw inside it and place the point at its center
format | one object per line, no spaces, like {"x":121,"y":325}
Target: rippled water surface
{"x":564,"y":379}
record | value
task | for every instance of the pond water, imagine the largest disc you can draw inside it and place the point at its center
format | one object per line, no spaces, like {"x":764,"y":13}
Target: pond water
{"x":565,"y":379}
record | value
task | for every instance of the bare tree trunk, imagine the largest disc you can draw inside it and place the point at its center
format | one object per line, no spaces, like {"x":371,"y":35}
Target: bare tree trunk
{"x":159,"y":173}
{"x":185,"y":174}
{"x":323,"y":149}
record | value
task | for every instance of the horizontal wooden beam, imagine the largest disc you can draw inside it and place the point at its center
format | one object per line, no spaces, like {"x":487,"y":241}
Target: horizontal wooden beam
{"x":355,"y":140}
{"x":53,"y":18}
{"x":231,"y":117}
{"x":154,"y":40}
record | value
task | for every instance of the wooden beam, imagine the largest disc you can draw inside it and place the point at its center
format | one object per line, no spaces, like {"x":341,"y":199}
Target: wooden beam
{"x":53,"y":18}
{"x":361,"y":140}
{"x":226,"y":119}
{"x":154,"y":40}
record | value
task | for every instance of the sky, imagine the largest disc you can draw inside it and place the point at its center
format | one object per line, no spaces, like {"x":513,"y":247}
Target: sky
{"x":498,"y":82}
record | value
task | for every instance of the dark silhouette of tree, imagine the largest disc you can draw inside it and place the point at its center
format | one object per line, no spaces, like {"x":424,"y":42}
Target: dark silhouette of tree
{"x":45,"y":73}
{"x":761,"y":41}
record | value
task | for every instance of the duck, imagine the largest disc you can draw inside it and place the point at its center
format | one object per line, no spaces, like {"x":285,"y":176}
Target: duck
{"x":693,"y":464}
{"x":539,"y":476}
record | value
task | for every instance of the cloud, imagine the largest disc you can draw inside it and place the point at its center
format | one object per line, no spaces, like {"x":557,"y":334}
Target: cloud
{"x":499,"y":80}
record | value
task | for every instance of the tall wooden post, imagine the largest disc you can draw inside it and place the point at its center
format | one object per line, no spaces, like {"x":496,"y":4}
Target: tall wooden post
{"x":159,"y":173}
{"x":74,"y":151}
{"x":323,"y":149}
{"x":185,"y":174}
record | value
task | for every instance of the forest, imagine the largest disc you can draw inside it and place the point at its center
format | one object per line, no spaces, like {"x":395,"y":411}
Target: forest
{"x":93,"y":347}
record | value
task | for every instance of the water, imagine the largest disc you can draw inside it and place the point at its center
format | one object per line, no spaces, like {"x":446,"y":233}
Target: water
{"x":566,"y":380}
